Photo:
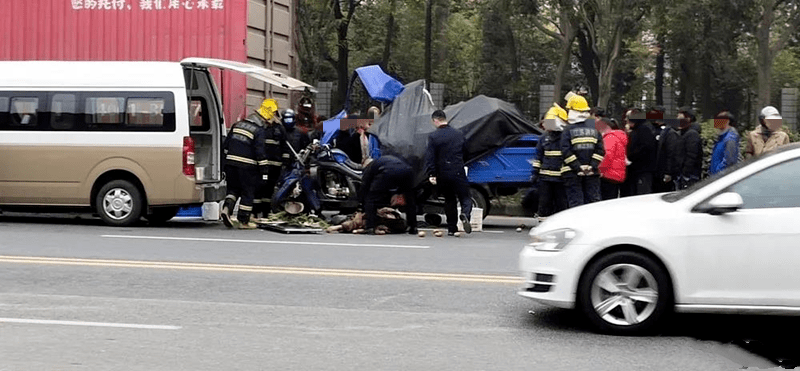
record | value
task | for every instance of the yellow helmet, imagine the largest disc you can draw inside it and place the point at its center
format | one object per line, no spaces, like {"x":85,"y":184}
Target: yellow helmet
{"x":577,"y":103}
{"x":556,"y":112}
{"x":268,"y":109}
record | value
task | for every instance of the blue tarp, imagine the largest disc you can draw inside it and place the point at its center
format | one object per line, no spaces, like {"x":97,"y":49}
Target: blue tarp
{"x":379,"y":85}
{"x":330,"y":126}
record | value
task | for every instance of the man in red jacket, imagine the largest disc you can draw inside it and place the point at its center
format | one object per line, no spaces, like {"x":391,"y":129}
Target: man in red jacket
{"x":612,"y":168}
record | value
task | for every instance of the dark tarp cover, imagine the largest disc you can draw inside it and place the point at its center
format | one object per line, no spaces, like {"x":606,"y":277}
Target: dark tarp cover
{"x":486,"y":122}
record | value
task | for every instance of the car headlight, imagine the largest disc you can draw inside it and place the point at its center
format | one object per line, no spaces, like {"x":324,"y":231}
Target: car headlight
{"x":554,"y":240}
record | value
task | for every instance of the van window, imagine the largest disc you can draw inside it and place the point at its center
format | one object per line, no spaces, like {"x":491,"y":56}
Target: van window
{"x":24,"y":111}
{"x":104,"y":111}
{"x":88,"y":111}
{"x":63,"y":111}
{"x":199,"y":120}
{"x":145,"y":112}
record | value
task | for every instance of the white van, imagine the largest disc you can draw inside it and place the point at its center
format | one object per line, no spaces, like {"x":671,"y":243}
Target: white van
{"x":126,"y":139}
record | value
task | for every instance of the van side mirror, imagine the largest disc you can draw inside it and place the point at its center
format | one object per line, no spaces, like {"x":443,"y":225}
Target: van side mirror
{"x":724,"y":203}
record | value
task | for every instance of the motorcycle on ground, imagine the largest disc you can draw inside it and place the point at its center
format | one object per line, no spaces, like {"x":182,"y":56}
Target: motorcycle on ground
{"x":321,"y":178}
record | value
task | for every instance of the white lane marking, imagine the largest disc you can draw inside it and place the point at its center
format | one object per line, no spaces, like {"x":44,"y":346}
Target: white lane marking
{"x":262,"y":241}
{"x":91,"y":324}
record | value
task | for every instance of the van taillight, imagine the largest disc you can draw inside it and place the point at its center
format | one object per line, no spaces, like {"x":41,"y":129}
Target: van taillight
{"x":188,"y":156}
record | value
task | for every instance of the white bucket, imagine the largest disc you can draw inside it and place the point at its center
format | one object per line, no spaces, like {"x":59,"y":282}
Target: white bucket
{"x":211,"y":210}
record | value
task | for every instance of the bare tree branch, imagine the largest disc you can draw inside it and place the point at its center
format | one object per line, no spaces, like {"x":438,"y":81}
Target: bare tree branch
{"x":547,"y":31}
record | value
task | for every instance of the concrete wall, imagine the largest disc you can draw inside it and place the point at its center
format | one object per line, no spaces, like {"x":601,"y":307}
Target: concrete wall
{"x":789,"y":108}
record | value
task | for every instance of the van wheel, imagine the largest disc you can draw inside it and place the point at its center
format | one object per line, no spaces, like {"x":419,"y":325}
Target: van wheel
{"x":161,"y":214}
{"x":119,"y":203}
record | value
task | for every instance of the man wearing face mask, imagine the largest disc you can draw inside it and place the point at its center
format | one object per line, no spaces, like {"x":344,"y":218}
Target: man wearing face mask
{"x":726,"y":149}
{"x":690,"y":149}
{"x":548,"y":165}
{"x":582,"y":150}
{"x":768,"y":135}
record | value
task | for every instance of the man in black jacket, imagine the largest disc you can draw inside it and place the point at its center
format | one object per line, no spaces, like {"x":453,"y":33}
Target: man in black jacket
{"x":444,"y":161}
{"x":667,"y":153}
{"x":690,"y":149}
{"x":642,"y":152}
{"x":382,"y":178}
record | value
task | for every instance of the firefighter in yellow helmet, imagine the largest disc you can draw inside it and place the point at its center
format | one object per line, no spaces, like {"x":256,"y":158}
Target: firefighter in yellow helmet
{"x":245,"y":158}
{"x":278,"y":155}
{"x":548,"y":166}
{"x":582,"y":150}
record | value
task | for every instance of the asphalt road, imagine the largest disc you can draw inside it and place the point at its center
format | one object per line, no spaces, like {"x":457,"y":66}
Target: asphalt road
{"x":76,"y":295}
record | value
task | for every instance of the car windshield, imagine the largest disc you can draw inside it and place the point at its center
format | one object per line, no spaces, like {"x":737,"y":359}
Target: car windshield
{"x":678,"y":195}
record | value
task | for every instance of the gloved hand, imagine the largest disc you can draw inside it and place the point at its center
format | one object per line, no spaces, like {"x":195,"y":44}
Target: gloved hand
{"x":667,"y":178}
{"x":432,"y":180}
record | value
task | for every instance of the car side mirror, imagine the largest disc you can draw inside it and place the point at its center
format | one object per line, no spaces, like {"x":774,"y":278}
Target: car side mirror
{"x":724,"y":203}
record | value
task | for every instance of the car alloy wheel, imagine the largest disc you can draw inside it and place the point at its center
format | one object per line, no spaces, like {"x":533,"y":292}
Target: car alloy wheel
{"x":624,"y":293}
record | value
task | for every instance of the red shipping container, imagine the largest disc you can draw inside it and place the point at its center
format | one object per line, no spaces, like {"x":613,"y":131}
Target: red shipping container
{"x":131,"y":30}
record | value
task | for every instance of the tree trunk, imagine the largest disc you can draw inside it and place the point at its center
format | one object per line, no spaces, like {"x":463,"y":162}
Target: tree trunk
{"x":660,"y":76}
{"x":764,"y":65}
{"x":428,"y":36}
{"x":390,"y":33}
{"x":604,"y":82}
{"x":342,"y":73}
{"x":587,"y":59}
{"x":561,"y":69}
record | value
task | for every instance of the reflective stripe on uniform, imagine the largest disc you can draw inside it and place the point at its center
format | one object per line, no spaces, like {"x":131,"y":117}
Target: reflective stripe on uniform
{"x":583,"y":140}
{"x":266,"y":200}
{"x":565,"y":169}
{"x":271,"y":141}
{"x":243,"y":132}
{"x":552,"y":153}
{"x":570,"y":159}
{"x":241,"y":159}
{"x":256,"y":201}
{"x":597,"y":157}
{"x":550,"y":172}
{"x":285,"y":155}
{"x":537,"y":163}
{"x":245,"y":207}
{"x":269,"y":163}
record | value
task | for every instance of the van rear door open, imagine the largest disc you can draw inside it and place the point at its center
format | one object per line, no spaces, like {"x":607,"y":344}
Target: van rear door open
{"x":207,"y":122}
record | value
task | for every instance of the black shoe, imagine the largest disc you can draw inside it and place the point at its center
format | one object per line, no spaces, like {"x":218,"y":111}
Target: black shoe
{"x":226,"y":219}
{"x":465,"y":222}
{"x":412,"y":231}
{"x":451,"y":233}
{"x":370,"y":231}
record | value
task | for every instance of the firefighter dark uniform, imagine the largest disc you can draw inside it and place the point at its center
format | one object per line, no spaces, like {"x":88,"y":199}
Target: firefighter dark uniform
{"x":244,"y":154}
{"x":278,"y":157}
{"x":548,"y":167}
{"x":582,"y":148}
{"x":383,"y":178}
{"x":444,"y":160}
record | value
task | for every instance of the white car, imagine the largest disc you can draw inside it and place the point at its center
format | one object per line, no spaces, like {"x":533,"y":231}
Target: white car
{"x":729,"y":244}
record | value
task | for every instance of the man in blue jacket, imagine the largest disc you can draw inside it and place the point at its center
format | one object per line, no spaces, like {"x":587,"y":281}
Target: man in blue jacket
{"x":444,"y":161}
{"x":726,"y":150}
